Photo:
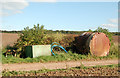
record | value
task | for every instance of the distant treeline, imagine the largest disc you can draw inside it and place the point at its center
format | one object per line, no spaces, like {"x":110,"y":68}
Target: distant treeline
{"x":4,"y":31}
{"x":116,"y":33}
{"x":59,"y":31}
{"x":48,"y":31}
{"x":64,"y":32}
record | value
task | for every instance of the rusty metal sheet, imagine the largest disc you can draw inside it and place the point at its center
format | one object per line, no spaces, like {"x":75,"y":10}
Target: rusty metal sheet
{"x":99,"y":45}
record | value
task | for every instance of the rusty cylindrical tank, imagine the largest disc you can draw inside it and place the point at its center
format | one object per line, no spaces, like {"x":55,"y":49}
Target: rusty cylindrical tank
{"x":97,"y":44}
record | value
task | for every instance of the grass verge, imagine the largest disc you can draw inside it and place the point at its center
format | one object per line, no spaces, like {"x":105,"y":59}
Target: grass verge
{"x":58,"y":57}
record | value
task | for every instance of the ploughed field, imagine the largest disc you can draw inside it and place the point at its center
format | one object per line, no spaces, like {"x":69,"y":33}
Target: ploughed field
{"x":8,"y":39}
{"x":84,"y":72}
{"x":116,"y":39}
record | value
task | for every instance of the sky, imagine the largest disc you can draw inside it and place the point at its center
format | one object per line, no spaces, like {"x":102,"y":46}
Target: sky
{"x":59,"y":15}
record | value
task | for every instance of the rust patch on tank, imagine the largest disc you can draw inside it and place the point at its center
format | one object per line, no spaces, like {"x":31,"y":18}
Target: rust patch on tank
{"x":99,"y":45}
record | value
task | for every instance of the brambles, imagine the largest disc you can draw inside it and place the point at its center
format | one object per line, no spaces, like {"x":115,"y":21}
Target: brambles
{"x":55,"y":37}
{"x":114,"y":50}
{"x":9,"y":51}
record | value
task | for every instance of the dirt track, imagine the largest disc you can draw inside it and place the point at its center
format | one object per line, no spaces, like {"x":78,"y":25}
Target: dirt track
{"x":58,"y":65}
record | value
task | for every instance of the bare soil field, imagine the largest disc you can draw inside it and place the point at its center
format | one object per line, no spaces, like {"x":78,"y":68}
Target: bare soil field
{"x":8,"y":39}
{"x":74,"y":35}
{"x":83,"y":72}
{"x":116,"y":39}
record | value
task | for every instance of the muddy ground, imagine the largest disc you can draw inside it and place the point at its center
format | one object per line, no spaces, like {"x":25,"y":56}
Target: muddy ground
{"x":84,"y":72}
{"x":76,"y":72}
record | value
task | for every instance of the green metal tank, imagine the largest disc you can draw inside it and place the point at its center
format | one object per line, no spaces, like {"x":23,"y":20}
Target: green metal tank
{"x":37,"y":50}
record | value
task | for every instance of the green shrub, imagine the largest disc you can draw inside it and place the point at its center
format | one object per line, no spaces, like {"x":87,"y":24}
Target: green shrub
{"x":4,"y":50}
{"x":55,"y":37}
{"x":114,"y":50}
{"x":33,"y":36}
{"x":106,"y":31}
{"x":67,"y":41}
